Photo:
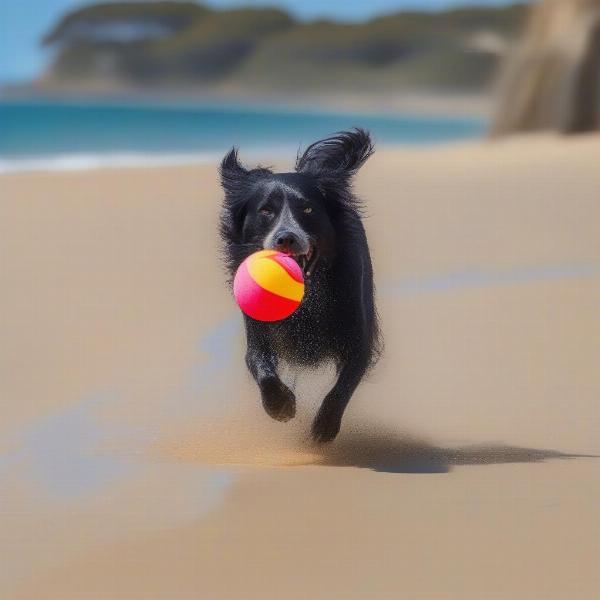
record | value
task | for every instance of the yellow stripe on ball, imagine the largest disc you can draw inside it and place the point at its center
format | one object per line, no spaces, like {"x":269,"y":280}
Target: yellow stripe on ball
{"x":271,"y":276}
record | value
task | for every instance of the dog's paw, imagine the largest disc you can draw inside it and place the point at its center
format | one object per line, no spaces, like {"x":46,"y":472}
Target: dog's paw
{"x":278,"y":400}
{"x":326,"y":426}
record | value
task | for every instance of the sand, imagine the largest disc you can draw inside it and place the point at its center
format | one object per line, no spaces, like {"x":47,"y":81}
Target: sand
{"x":136,"y":462}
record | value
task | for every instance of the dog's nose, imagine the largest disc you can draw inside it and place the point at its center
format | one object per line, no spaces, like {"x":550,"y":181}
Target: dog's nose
{"x":286,"y":241}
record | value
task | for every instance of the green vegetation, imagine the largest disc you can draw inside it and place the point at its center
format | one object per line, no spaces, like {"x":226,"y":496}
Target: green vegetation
{"x":186,"y":44}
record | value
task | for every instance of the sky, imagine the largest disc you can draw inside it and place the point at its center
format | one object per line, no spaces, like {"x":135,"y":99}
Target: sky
{"x":24,"y":22}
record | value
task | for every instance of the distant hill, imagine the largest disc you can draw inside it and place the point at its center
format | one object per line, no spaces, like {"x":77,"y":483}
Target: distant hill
{"x":184,"y":44}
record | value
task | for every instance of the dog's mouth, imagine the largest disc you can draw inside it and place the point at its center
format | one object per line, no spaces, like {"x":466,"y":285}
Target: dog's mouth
{"x":307,"y":261}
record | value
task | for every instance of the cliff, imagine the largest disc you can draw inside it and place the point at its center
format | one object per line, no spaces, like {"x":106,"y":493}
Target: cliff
{"x":552,"y":79}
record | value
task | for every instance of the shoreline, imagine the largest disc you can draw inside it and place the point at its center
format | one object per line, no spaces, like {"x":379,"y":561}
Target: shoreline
{"x":178,"y":132}
{"x":76,"y":162}
{"x":123,"y":161}
{"x":118,"y":161}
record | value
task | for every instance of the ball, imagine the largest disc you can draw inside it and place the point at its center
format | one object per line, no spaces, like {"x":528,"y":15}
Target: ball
{"x":268,"y":285}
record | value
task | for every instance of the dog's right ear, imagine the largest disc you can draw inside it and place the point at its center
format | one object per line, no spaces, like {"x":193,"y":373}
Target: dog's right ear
{"x":233,"y":174}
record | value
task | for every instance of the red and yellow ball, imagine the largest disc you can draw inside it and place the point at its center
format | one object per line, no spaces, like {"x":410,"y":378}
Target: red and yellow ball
{"x":268,"y":285}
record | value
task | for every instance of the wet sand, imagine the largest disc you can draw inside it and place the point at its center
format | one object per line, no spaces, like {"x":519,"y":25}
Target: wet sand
{"x":136,"y":462}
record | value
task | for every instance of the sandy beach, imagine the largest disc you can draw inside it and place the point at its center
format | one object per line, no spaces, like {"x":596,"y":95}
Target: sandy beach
{"x":137,"y":463}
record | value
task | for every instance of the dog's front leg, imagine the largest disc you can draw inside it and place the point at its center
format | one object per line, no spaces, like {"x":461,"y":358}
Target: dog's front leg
{"x":328,"y":421}
{"x":278,"y":400}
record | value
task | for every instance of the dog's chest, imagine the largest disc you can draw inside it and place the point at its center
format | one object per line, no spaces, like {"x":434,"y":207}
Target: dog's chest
{"x":308,"y":336}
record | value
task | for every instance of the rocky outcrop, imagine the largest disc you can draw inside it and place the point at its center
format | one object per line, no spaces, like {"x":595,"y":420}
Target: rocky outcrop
{"x":184,"y":45}
{"x":551,"y":80}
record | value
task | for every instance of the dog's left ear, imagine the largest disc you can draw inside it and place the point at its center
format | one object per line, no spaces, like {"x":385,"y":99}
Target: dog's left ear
{"x":338,"y":157}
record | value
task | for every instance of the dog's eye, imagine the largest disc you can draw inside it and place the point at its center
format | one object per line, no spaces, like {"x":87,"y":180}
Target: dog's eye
{"x":307,"y":210}
{"x":266,"y":212}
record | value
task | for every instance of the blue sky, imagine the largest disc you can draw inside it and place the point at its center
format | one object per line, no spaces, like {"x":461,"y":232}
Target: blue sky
{"x":23,"y":22}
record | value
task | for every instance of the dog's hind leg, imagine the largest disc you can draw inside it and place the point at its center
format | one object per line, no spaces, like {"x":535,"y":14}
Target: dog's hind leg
{"x":328,"y":421}
{"x":278,"y":400}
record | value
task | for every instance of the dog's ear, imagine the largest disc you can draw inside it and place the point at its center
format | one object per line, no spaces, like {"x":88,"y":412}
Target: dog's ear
{"x":235,"y":178}
{"x":337,"y":157}
{"x":233,"y":174}
{"x":238,"y":183}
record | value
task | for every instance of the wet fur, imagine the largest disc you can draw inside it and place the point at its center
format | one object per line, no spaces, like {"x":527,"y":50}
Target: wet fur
{"x":337,"y":319}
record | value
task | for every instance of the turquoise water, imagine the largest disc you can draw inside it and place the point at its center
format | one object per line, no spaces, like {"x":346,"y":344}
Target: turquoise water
{"x":35,"y":131}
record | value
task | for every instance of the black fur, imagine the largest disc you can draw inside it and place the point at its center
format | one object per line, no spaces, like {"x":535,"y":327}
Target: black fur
{"x":312,"y":214}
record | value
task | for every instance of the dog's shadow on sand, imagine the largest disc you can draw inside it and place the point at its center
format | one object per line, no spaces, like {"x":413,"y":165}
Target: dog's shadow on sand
{"x":393,"y":454}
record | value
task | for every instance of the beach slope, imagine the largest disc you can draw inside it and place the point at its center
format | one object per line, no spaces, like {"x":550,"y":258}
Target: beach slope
{"x":136,"y":462}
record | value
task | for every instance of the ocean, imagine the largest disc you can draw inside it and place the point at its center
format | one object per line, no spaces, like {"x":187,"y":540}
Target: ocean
{"x":78,"y":135}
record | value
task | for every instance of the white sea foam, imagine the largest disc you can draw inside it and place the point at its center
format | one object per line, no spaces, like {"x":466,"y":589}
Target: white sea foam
{"x":117,"y":160}
{"x":87,"y":162}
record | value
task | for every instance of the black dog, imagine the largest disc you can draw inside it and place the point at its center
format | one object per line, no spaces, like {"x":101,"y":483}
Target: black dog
{"x":312,"y":215}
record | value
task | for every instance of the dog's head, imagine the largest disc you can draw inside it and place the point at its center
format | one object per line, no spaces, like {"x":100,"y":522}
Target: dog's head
{"x":295,"y":212}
